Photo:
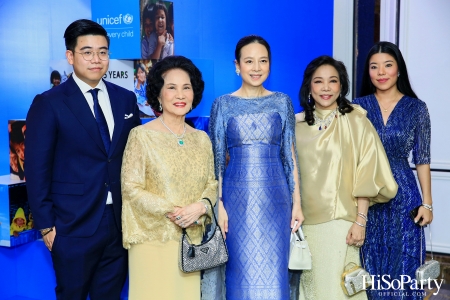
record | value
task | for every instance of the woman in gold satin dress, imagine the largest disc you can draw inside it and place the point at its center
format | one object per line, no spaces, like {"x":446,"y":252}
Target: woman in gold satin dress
{"x":168,"y":168}
{"x":343,"y":169}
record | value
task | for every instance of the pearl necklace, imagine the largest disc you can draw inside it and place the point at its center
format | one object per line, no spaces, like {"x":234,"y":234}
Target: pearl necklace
{"x":324,"y":124}
{"x":179,"y":137}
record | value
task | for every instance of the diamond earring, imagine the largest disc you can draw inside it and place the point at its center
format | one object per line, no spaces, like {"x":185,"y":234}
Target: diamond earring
{"x":160,"y":106}
{"x":238,"y":72}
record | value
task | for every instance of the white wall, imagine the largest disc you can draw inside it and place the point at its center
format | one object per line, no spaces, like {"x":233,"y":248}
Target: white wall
{"x":425,"y":44}
{"x":343,"y":36}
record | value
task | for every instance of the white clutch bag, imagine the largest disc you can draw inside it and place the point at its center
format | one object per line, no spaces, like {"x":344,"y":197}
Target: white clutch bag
{"x":299,"y":254}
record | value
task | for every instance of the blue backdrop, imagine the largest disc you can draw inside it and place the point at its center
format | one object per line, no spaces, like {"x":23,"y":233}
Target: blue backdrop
{"x":31,"y":35}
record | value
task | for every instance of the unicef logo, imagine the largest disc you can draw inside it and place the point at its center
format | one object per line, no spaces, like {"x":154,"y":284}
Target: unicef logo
{"x":128,"y":19}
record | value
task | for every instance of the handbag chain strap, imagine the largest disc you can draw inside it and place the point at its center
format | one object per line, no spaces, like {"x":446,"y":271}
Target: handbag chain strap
{"x":362,"y":254}
{"x":431,"y":244}
{"x":214,"y":215}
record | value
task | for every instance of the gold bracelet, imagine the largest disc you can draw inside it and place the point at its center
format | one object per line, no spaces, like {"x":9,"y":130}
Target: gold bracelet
{"x":46,"y":231}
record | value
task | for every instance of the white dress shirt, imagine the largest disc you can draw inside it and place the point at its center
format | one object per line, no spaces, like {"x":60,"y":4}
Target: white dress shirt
{"x":105,"y":104}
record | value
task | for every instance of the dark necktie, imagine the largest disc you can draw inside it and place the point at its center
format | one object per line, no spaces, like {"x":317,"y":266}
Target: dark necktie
{"x":101,"y":121}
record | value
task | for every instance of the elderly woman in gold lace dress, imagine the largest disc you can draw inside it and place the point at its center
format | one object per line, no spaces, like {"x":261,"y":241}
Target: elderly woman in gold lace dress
{"x":167,"y":171}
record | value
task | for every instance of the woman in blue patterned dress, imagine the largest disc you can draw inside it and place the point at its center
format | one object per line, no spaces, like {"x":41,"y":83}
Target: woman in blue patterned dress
{"x":393,"y":243}
{"x":259,"y":185}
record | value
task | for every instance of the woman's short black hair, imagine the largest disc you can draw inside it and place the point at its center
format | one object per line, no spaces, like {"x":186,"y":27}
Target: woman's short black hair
{"x":54,"y":75}
{"x":249,"y":39}
{"x":403,"y":84}
{"x":155,"y":80}
{"x":305,"y":89}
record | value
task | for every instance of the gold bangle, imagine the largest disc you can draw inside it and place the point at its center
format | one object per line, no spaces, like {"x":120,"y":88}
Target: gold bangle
{"x":46,"y":231}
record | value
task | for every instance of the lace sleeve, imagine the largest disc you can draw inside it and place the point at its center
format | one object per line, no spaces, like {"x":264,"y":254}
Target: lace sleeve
{"x":210,"y":191}
{"x":287,"y":142}
{"x":218,"y":138}
{"x":133,"y":179}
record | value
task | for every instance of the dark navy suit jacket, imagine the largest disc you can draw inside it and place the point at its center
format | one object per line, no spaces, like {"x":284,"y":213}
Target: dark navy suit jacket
{"x":68,"y":171}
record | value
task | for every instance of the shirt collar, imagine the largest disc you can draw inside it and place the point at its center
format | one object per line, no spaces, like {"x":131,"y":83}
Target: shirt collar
{"x":84,"y":87}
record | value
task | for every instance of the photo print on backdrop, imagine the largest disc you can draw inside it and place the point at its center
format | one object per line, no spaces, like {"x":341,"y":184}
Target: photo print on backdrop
{"x":157,"y":29}
{"x":17,"y":130}
{"x":157,"y":42}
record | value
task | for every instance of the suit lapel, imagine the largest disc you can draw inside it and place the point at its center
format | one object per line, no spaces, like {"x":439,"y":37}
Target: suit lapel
{"x":77,"y":103}
{"x":118,"y":109}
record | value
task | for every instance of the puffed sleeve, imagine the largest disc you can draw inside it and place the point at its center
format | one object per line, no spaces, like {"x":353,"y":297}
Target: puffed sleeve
{"x":373,"y":177}
{"x":218,"y":138}
{"x":136,"y":200}
{"x":422,"y":137}
{"x":288,"y":142}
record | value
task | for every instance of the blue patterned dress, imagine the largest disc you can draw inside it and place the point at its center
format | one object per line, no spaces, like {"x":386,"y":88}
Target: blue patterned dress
{"x":258,"y":183}
{"x":393,"y":241}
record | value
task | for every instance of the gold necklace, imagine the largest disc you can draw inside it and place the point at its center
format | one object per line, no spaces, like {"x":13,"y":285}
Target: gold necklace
{"x":385,"y":109}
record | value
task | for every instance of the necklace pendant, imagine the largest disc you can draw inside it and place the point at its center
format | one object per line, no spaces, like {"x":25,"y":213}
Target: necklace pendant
{"x":180,"y":142}
{"x":320,"y":127}
{"x":385,"y":110}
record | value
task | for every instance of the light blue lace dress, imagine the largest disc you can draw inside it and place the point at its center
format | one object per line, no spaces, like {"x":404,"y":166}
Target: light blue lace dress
{"x":258,"y":183}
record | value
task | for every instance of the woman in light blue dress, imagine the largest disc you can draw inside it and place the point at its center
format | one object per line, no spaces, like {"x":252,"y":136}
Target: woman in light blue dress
{"x":252,"y":132}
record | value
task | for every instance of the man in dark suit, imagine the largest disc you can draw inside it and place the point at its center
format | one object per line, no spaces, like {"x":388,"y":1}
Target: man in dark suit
{"x":76,"y":135}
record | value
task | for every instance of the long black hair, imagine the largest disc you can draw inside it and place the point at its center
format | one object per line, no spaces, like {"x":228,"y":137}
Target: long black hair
{"x":305,"y":89}
{"x":403,"y":84}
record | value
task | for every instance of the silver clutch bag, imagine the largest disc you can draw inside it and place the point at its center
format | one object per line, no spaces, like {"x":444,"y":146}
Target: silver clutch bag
{"x":209,"y":254}
{"x":355,"y":280}
{"x":430,"y":269}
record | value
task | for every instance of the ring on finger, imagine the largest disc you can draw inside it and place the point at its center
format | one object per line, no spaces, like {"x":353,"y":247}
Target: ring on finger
{"x":178,"y":218}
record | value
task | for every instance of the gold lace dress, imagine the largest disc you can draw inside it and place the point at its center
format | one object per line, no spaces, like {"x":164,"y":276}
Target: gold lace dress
{"x":337,"y":165}
{"x":157,"y":175}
